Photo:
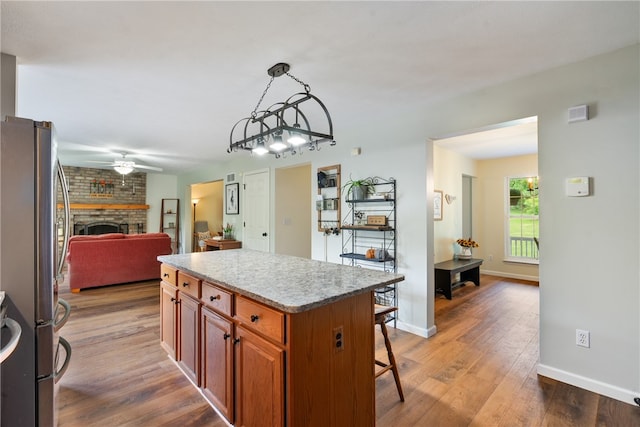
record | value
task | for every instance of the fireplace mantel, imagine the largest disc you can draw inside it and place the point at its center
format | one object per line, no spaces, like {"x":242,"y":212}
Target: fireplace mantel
{"x":101,"y":206}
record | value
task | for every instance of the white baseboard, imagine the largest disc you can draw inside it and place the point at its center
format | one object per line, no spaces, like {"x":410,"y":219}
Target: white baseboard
{"x":425,"y":333}
{"x":590,"y":384}
{"x":510,"y":275}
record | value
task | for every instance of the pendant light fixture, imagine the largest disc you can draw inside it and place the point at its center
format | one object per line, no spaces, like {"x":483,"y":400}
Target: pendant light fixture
{"x":284,"y":127}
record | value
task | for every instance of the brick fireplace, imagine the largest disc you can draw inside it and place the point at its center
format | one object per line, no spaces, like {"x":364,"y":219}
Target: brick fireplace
{"x":101,"y":203}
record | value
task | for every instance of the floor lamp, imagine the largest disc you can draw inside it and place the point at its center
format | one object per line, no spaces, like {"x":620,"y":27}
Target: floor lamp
{"x":195,"y":202}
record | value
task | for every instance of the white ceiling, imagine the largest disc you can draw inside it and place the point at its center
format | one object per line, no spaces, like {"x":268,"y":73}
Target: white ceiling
{"x":167,"y":80}
{"x":514,"y":138}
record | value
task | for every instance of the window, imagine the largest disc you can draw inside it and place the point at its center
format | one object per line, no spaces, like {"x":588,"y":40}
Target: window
{"x":522,"y":219}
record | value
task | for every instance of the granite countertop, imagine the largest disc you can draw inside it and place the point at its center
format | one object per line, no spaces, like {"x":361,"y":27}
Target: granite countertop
{"x":287,"y":283}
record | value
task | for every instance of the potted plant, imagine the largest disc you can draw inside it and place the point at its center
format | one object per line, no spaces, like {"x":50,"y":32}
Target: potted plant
{"x":466,"y":245}
{"x":227,"y":232}
{"x":359,"y":188}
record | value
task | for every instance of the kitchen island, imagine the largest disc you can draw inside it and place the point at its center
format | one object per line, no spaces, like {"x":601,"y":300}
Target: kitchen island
{"x":273,"y":340}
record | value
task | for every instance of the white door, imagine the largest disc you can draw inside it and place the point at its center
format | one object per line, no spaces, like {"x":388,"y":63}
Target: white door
{"x":256,"y":211}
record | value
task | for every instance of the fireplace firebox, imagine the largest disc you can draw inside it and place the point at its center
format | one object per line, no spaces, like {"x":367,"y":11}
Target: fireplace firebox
{"x":100,"y":227}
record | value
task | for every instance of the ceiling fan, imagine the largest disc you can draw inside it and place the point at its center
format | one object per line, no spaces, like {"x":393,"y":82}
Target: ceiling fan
{"x":124,"y":166}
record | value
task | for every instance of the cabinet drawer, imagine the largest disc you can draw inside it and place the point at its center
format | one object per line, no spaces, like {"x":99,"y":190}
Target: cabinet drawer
{"x":260,"y":318}
{"x":168,"y":274}
{"x":189,"y":284}
{"x":217,"y":298}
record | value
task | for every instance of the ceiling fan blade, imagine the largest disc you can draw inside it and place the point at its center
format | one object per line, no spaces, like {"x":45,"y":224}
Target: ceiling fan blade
{"x":100,"y":162}
{"x":153,"y":168}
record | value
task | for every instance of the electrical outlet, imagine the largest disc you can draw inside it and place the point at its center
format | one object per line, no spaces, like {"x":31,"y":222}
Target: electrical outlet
{"x":338,"y":339}
{"x":583,"y":338}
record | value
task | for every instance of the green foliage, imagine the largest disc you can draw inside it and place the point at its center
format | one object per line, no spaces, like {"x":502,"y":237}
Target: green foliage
{"x":522,"y":201}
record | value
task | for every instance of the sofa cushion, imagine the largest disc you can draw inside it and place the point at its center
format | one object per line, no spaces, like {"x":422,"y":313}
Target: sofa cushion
{"x":144,"y":235}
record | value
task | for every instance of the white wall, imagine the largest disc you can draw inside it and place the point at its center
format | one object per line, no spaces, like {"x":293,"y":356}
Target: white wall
{"x":589,"y":275}
{"x":589,"y":272}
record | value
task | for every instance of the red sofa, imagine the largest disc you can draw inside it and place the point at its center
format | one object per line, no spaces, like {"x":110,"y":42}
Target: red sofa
{"x":113,"y":258}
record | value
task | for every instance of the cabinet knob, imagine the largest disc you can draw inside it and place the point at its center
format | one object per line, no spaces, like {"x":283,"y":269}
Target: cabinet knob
{"x":225,"y":336}
{"x":165,"y":275}
{"x":264,"y":234}
{"x":254,"y":318}
{"x":185,"y":284}
{"x":212,"y":298}
{"x":173,"y":299}
{"x":236,"y":341}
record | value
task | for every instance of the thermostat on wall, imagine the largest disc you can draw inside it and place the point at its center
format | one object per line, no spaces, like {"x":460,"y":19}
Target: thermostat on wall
{"x":578,"y":186}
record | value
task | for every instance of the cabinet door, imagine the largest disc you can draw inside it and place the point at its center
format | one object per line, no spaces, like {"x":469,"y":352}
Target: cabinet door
{"x":168,"y":317}
{"x":188,"y":354}
{"x":217,"y":362}
{"x":259,"y":381}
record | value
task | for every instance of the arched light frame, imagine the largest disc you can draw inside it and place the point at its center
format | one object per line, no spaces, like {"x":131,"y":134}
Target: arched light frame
{"x":280,"y":122}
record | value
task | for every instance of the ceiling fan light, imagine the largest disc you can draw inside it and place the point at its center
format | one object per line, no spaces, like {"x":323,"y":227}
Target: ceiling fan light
{"x":124,"y":170}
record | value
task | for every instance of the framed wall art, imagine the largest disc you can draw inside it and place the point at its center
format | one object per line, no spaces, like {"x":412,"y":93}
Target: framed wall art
{"x":231,"y":200}
{"x":437,"y":205}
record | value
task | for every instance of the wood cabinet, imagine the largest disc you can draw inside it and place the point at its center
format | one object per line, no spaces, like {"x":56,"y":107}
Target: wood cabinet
{"x":168,"y":317}
{"x":260,"y":366}
{"x":189,"y":336}
{"x":169,"y":309}
{"x":217,"y":361}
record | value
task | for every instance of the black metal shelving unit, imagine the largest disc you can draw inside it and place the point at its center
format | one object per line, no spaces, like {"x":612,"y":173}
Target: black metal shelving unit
{"x":363,"y":235}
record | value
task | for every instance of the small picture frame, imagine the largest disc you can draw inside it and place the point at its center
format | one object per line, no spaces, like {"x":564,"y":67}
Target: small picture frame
{"x":437,"y":205}
{"x":231,"y":200}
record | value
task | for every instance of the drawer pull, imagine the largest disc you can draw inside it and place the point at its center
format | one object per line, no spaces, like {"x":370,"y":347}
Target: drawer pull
{"x":225,"y":336}
{"x":212,"y":298}
{"x":254,"y":318}
{"x":166,"y":275}
{"x":185,"y":284}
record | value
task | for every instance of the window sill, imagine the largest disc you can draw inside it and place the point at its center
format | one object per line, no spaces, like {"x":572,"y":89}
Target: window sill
{"x":522,"y":261}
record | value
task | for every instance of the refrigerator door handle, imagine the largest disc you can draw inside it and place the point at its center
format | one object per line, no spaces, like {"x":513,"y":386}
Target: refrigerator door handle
{"x":16,"y":331}
{"x":67,"y":218}
{"x":59,"y":323}
{"x":67,"y":349}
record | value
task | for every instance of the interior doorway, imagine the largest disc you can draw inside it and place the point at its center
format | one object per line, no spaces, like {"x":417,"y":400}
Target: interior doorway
{"x":206,"y":210}
{"x":471,"y":168}
{"x":293,"y":211}
{"x":467,"y":206}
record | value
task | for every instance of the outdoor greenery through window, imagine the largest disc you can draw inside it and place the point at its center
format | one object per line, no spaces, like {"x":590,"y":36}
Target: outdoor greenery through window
{"x":523,"y":224}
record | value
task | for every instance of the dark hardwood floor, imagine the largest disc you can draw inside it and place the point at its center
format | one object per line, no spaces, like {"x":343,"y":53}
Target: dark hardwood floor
{"x":478,"y":370}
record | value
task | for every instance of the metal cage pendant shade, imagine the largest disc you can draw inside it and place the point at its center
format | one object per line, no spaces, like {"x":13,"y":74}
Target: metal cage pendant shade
{"x":284,"y":126}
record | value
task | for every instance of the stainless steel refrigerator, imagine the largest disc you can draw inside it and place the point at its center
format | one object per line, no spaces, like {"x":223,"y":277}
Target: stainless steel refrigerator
{"x":34,"y":234}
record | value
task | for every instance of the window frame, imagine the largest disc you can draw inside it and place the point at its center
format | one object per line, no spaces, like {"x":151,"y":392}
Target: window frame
{"x":508,"y":215}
